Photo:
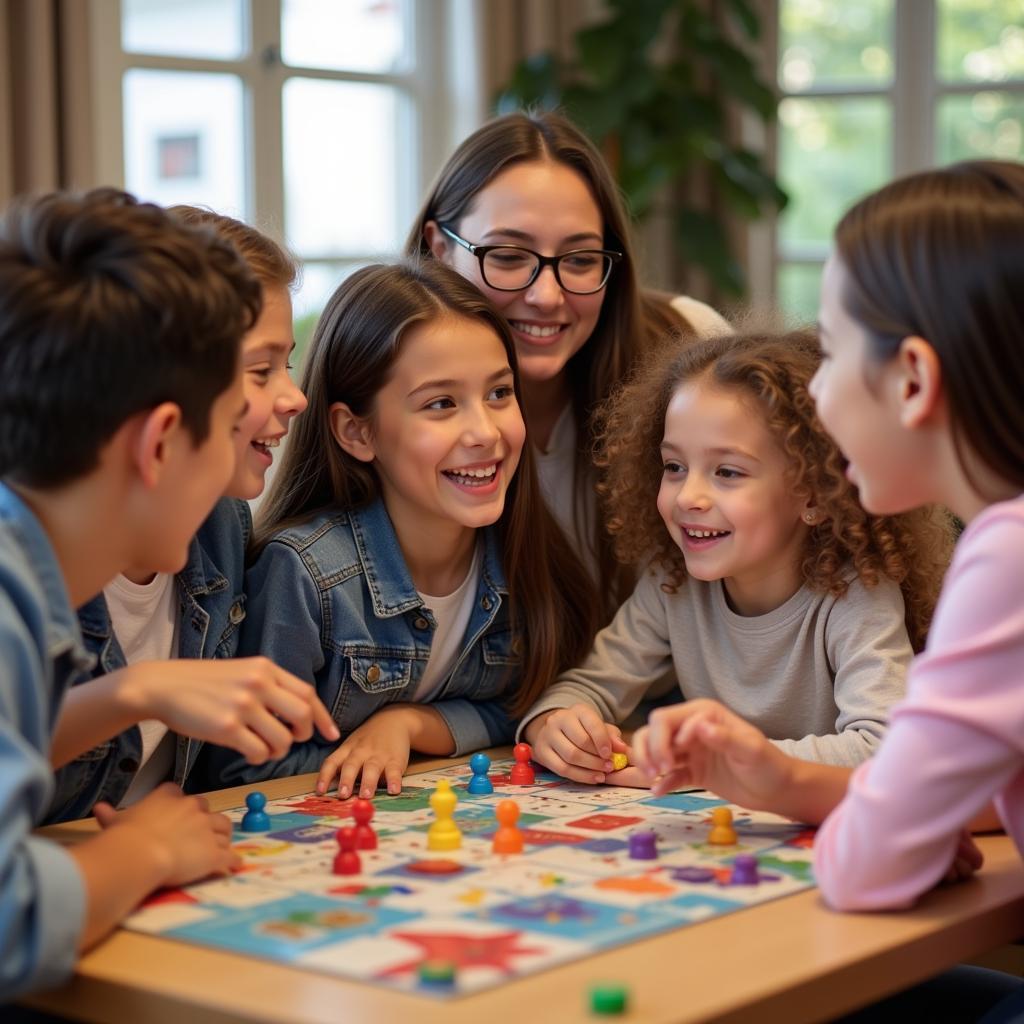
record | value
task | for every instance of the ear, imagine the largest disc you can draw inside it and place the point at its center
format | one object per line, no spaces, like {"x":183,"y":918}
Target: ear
{"x":352,"y":433}
{"x":157,"y":433}
{"x":810,"y":515}
{"x":918,"y":382}
{"x":437,"y":241}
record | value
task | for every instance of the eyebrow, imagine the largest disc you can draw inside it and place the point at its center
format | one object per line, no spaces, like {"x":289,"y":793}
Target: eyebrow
{"x":279,"y":344}
{"x":441,"y":385}
{"x":726,"y":451}
{"x":523,"y":236}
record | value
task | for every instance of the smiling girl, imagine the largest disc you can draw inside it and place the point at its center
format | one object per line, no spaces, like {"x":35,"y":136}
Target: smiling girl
{"x":769,"y":587}
{"x":409,"y":566}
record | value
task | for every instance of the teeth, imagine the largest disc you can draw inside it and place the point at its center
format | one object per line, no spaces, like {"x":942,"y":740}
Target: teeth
{"x":269,"y":442}
{"x":480,"y":474}
{"x":536,"y":331}
{"x":706,"y":533}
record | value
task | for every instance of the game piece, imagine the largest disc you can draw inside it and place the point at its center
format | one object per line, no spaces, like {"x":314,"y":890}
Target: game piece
{"x":443,"y":834}
{"x":362,"y":812}
{"x":480,"y":784}
{"x":437,"y":973}
{"x":643,"y":845}
{"x":722,"y":833}
{"x":619,"y":761}
{"x":346,"y":860}
{"x":744,"y":870}
{"x":435,"y":867}
{"x":508,"y":838}
{"x":608,"y":1000}
{"x":522,"y":771}
{"x":255,"y":818}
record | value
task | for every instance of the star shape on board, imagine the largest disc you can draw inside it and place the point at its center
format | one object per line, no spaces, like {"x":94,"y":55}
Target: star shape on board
{"x":462,"y":950}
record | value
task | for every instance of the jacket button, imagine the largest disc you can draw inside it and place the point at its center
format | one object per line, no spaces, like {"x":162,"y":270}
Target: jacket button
{"x":420,"y":622}
{"x":236,"y":614}
{"x":128,"y":765}
{"x":373,"y":673}
{"x":486,"y":603}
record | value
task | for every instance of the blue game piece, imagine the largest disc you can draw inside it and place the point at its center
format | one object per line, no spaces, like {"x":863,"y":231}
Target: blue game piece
{"x":480,"y":784}
{"x":255,"y":819}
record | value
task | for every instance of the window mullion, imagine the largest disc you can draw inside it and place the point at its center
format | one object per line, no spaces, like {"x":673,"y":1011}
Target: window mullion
{"x":913,"y":120}
{"x":265,"y":128}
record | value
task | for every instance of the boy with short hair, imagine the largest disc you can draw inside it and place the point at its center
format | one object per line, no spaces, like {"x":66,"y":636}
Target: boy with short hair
{"x":119,"y":396}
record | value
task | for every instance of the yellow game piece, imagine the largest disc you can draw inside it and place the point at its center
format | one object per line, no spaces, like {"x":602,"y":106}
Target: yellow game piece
{"x":443,"y":834}
{"x":619,"y":761}
{"x":722,"y":833}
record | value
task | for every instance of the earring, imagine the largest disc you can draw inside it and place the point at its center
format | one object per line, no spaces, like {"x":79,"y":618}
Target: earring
{"x":810,"y":517}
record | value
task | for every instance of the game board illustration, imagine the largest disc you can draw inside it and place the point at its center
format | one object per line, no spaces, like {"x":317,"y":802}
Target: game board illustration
{"x":572,"y":892}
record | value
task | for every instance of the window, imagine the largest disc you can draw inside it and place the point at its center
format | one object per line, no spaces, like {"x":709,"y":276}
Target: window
{"x":874,"y":89}
{"x":317,"y":120}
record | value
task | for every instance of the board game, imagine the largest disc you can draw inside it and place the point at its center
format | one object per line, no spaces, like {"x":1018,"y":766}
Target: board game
{"x":573,"y":891}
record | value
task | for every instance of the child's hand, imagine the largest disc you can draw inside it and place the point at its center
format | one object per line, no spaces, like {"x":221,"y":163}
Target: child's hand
{"x":575,"y":743}
{"x":701,"y":743}
{"x":248,"y":704}
{"x":966,"y":861}
{"x":380,"y":746}
{"x":188,"y":840}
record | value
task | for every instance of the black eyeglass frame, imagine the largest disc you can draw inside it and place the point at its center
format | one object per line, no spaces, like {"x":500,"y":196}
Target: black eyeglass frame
{"x":481,"y":251}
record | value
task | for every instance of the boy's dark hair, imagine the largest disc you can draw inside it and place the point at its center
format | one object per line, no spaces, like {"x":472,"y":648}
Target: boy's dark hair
{"x":108,"y":307}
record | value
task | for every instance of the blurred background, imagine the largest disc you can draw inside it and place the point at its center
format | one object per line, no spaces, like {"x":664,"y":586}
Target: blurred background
{"x":740,"y":130}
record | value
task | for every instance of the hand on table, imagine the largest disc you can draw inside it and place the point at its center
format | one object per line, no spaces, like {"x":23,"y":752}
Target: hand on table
{"x":380,"y":746}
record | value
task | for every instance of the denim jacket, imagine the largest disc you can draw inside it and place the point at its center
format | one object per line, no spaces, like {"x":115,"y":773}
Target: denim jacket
{"x":42,"y":893}
{"x":212,"y":607}
{"x":332,"y":601}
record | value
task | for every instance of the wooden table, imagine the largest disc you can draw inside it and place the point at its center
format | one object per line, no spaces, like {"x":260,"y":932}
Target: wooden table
{"x":791,"y":959}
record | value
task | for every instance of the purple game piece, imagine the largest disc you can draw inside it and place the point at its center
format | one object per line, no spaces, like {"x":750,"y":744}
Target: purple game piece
{"x":642,"y":846}
{"x":693,"y":875}
{"x":744,"y":870}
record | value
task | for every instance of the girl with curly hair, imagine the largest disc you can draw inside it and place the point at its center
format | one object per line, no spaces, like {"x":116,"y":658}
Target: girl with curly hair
{"x":768,"y":586}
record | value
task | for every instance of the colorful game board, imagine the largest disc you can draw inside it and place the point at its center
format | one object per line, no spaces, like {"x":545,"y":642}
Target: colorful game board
{"x":572,"y":892}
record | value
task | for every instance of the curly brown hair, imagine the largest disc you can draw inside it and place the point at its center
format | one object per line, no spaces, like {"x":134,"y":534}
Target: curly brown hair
{"x":912,"y":549}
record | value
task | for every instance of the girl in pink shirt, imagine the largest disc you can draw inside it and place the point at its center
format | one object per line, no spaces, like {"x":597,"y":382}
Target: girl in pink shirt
{"x":922,"y":333}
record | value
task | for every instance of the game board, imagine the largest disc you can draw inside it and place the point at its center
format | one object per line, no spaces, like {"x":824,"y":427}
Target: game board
{"x":574,"y":890}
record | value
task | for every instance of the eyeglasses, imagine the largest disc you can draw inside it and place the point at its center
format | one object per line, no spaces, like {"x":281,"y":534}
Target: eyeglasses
{"x":511,"y":268}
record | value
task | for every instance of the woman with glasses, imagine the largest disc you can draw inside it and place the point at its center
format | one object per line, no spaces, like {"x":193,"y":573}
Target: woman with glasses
{"x":527,"y":209}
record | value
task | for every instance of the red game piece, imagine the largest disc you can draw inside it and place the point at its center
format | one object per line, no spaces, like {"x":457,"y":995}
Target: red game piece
{"x":508,"y":838}
{"x":522,"y":770}
{"x":366,"y":838}
{"x":346,"y":861}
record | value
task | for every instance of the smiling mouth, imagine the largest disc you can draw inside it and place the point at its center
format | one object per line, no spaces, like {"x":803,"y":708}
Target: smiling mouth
{"x":480,"y":476}
{"x":541,"y":333}
{"x":263,"y":445}
{"x":705,"y":534}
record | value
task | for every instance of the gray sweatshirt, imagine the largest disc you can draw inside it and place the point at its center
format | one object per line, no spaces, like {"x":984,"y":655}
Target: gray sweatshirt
{"x":818,"y":675}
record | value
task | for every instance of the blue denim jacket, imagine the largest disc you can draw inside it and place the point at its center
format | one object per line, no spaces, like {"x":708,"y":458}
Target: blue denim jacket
{"x":212,"y":607}
{"x":332,"y":601}
{"x":42,"y":895}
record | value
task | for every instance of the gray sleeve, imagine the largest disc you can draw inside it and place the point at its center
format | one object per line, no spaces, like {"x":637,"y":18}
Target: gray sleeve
{"x":869,"y":650}
{"x":629,"y":655}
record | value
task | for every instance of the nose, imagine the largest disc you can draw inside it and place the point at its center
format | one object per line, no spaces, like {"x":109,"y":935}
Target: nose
{"x":479,"y":429}
{"x":545,"y":292}
{"x":693,"y":493}
{"x":291,"y":401}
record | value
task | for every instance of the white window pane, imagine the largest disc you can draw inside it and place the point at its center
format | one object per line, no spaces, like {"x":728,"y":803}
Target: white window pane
{"x":831,"y":152}
{"x":980,"y":40}
{"x":834,"y":42}
{"x":982,"y":125}
{"x":346,"y":35}
{"x":344,"y":188}
{"x":799,"y":290}
{"x":183,"y":138}
{"x":185,"y":28}
{"x":318,"y":283}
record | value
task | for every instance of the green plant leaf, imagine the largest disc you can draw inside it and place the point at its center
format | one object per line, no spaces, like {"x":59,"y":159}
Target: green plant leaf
{"x":535,"y":81}
{"x":601,"y":53}
{"x":702,"y":241}
{"x":747,"y":17}
{"x":597,"y":112}
{"x":743,"y":169}
{"x":738,"y":75}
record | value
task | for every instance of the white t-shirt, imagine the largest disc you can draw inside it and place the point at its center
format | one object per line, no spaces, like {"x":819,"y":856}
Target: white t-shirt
{"x":144,"y":618}
{"x":452,"y":616}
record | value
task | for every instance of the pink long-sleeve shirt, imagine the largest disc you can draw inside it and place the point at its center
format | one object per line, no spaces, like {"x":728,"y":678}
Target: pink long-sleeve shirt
{"x":955,"y":743}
